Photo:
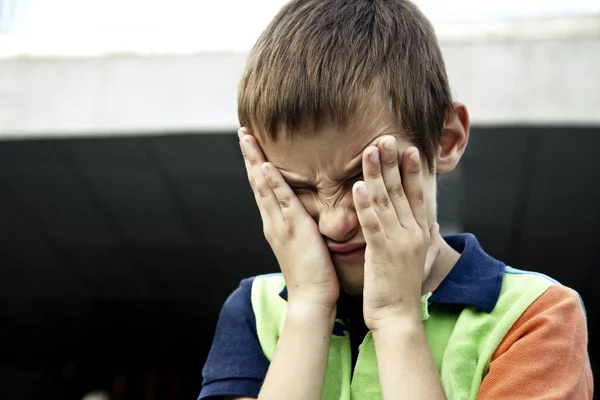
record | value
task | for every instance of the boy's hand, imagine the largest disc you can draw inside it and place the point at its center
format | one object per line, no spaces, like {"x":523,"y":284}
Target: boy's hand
{"x":393,"y":216}
{"x":291,"y":232}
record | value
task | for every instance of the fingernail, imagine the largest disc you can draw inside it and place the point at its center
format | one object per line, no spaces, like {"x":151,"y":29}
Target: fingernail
{"x":389,"y":144}
{"x":374,"y":156}
{"x":361,"y":188}
{"x":414,"y":156}
{"x":241,"y":133}
{"x":265,"y":169}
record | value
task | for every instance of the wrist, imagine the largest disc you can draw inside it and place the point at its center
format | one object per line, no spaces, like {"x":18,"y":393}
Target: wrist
{"x":311,"y":312}
{"x":404,"y":324}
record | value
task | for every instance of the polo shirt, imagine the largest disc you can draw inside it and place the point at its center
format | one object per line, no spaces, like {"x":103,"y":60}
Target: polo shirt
{"x":553,"y":322}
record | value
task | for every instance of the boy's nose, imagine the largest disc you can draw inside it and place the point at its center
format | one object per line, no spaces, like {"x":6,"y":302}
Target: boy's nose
{"x":339,"y":225}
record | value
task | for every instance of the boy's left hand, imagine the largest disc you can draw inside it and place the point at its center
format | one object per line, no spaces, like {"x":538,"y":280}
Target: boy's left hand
{"x":390,"y":205}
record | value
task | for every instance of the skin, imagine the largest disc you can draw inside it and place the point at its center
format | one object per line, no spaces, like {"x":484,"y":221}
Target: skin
{"x":312,"y":196}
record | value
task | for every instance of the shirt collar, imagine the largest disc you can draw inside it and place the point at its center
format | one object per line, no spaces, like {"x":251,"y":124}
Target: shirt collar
{"x":476,"y":279}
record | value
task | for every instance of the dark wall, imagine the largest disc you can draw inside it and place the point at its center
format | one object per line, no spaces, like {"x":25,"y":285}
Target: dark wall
{"x":532,"y":196}
{"x":117,"y":253}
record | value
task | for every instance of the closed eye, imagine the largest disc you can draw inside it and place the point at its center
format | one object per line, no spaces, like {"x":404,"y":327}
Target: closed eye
{"x":298,"y":189}
{"x":303,"y":189}
{"x":357,"y":177}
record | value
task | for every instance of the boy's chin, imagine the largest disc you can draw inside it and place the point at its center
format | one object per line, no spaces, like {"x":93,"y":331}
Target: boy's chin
{"x":351,"y":276}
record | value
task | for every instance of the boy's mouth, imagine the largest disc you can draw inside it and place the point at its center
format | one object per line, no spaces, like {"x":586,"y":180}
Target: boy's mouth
{"x":347,"y":251}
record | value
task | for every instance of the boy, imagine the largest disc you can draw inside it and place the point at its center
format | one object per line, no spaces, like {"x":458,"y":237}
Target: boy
{"x":347,"y":119}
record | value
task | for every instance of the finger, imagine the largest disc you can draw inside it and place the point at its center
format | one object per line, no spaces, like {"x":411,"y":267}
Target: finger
{"x":241,"y":133}
{"x":289,"y":204}
{"x":378,"y":194}
{"x":412,"y":180}
{"x":265,"y":198}
{"x":367,"y":217}
{"x":393,"y":181}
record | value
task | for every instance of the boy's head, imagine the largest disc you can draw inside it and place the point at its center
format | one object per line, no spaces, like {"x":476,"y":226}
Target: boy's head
{"x":328,"y":78}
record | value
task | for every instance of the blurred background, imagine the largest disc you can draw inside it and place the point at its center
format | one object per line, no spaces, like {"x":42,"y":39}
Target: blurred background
{"x":125,"y":216}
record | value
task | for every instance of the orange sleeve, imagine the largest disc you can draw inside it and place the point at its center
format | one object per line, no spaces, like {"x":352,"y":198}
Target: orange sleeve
{"x":544,"y":355}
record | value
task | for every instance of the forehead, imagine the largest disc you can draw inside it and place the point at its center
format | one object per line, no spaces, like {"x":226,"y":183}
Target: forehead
{"x":330,"y":150}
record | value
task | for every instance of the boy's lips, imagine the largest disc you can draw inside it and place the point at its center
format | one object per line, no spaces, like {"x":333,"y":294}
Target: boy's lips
{"x":347,"y":251}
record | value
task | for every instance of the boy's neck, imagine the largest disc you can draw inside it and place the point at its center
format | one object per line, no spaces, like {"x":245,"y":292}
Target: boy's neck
{"x":443,"y":264}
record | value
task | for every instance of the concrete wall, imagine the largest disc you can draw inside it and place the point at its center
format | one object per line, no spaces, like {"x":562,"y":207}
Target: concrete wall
{"x":520,"y":72}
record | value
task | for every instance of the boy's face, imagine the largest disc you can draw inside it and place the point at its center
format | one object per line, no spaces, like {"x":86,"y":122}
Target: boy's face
{"x":321,"y":170}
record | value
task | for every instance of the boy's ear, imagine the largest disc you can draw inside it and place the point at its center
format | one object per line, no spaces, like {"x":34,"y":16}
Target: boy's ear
{"x":455,"y":136}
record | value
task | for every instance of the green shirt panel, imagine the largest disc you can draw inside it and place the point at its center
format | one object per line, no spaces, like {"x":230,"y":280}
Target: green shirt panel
{"x":462,"y":340}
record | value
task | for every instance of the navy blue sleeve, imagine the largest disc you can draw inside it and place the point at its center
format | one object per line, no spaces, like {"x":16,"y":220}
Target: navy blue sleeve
{"x":236,"y":364}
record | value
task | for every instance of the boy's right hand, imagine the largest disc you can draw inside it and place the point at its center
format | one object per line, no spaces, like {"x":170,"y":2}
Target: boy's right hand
{"x":291,"y":232}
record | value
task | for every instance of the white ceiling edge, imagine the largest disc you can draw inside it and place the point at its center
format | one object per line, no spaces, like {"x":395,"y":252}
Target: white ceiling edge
{"x":108,"y":44}
{"x":547,"y":28}
{"x":119,"y":131}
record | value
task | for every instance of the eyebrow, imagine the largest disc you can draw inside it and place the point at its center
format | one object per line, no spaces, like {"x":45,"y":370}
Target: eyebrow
{"x":354,"y":169}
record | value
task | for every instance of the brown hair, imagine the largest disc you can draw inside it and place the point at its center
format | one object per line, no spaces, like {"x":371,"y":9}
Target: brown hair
{"x":328,"y":61}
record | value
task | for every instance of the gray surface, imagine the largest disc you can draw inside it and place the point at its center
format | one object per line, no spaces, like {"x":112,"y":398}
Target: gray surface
{"x":519,"y":72}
